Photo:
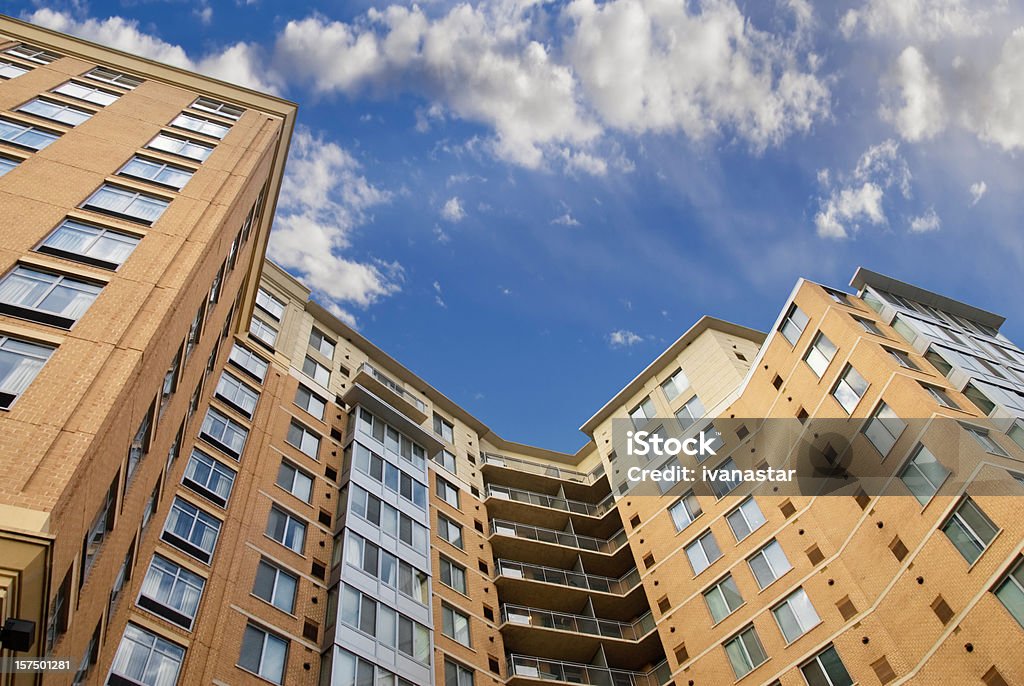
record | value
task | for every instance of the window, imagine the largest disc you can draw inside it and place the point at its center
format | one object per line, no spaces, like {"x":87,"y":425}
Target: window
{"x":139,"y":446}
{"x":884,"y":429}
{"x":32,"y":53}
{"x":270,"y":304}
{"x":837,"y":296}
{"x":868,"y":325}
{"x":26,"y":135}
{"x":145,"y":658}
{"x":304,"y":439}
{"x":6,"y":165}
{"x":216,"y":107}
{"x":447,"y":492}
{"x":389,"y":520}
{"x":768,"y":564}
{"x":726,"y":479}
{"x":248,"y":361}
{"x":444,"y":428}
{"x":9,"y":70}
{"x":286,"y":529}
{"x":820,"y":354}
{"x":171,"y":591}
{"x":703,"y":552}
{"x":969,"y":530}
{"x":231,"y":390}
{"x":455,"y":624}
{"x":102,"y":524}
{"x":684,"y":511}
{"x":1010,"y":591}
{"x":1016,"y":432}
{"x":54,"y":111}
{"x":46,"y":297}
{"x":310,"y":402}
{"x":321,"y":343}
{"x":193,"y":150}
{"x":793,"y":324}
{"x":20,"y":362}
{"x":940,"y":396}
{"x":81,"y":91}
{"x":130,"y":205}
{"x":114,"y":78}
{"x":192,"y":530}
{"x":923,"y":474}
{"x":208,"y":477}
{"x":690,"y":412}
{"x":849,"y":389}
{"x":295,"y":481}
{"x":276,"y":586}
{"x":316,"y":371}
{"x":979,"y":399}
{"x":394,"y":479}
{"x":796,"y":615}
{"x":224,"y":432}
{"x":826,"y":669}
{"x":157,"y":172}
{"x":200,"y":125}
{"x":745,"y":652}
{"x":674,"y":385}
{"x":457,"y":675}
{"x":642,"y":413}
{"x":446,"y":459}
{"x":723,"y":599}
{"x":902,"y":357}
{"x":449,"y":531}
{"x":263,"y":653}
{"x":986,"y":442}
{"x":452,"y":575}
{"x":745,"y":519}
{"x":262,"y":332}
{"x":170,"y":384}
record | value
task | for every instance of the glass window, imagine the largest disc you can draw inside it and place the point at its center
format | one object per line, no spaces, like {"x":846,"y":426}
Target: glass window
{"x":923,"y":474}
{"x":47,"y":297}
{"x":20,"y":362}
{"x":884,"y":429}
{"x":157,"y":172}
{"x":112,"y":77}
{"x":9,"y":70}
{"x":703,"y":552}
{"x":270,"y":304}
{"x":723,"y":599}
{"x":690,"y":412}
{"x":446,"y":459}
{"x":310,"y":402}
{"x":979,"y":399}
{"x":295,"y":481}
{"x":316,"y":371}
{"x":985,"y":440}
{"x":745,"y":519}
{"x":26,"y":135}
{"x":902,"y":358}
{"x":122,"y":202}
{"x":286,"y":529}
{"x":969,"y":530}
{"x":263,"y":653}
{"x":725,"y":481}
{"x":276,"y":586}
{"x":674,"y":385}
{"x":81,"y":91}
{"x":171,"y":591}
{"x":642,"y":413}
{"x":262,"y":332}
{"x":768,"y":564}
{"x":940,"y":396}
{"x":216,"y":107}
{"x":457,"y":675}
{"x":868,"y":325}
{"x":321,"y":343}
{"x":249,"y":361}
{"x":849,"y":389}
{"x":796,"y":615}
{"x":455,"y":625}
{"x":6,"y":165}
{"x":447,"y":492}
{"x":1010,"y":591}
{"x":304,"y":439}
{"x":54,"y":111}
{"x":444,"y":428}
{"x":32,"y":53}
{"x":820,"y":354}
{"x":191,"y":530}
{"x":1016,"y":432}
{"x":745,"y":652}
{"x":208,"y":477}
{"x":231,"y":390}
{"x":193,"y":150}
{"x":793,"y":324}
{"x":145,"y":658}
{"x":826,"y":669}
{"x":224,"y":432}
{"x":449,"y":531}
{"x":200,"y":125}
{"x":453,"y":575}
{"x":684,"y":511}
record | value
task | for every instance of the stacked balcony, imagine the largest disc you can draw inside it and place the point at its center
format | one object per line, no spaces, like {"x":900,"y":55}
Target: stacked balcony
{"x":391,"y":391}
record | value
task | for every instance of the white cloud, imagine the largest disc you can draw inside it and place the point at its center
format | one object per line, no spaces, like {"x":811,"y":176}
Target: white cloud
{"x":566,"y":220}
{"x":204,"y":13}
{"x":453,"y":210}
{"x":623,"y":338}
{"x":578,"y":161}
{"x":439,"y":296}
{"x":977,"y":191}
{"x":925,"y":223}
{"x":928,"y":20}
{"x":440,"y":235}
{"x":323,"y":199}
{"x":920,"y":111}
{"x":996,"y":113}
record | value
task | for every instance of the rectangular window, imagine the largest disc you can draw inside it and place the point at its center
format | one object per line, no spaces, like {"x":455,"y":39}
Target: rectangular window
{"x":457,"y":675}
{"x":796,"y":615}
{"x":7,"y":164}
{"x":684,"y":511}
{"x":158,"y":172}
{"x":940,"y":396}
{"x":319,"y":341}
{"x":304,"y":439}
{"x":723,"y":599}
{"x":979,"y":399}
{"x":87,"y":93}
{"x":703,"y":552}
{"x":884,"y":429}
{"x":55,"y":111}
{"x":447,"y":492}
{"x":691,"y":411}
{"x":310,"y":402}
{"x":1010,"y":591}
{"x":446,"y":459}
{"x":826,"y":669}
{"x":145,"y":658}
{"x":270,"y":304}
{"x":224,"y":432}
{"x":642,"y":413}
{"x":316,"y":371}
{"x":286,"y":529}
{"x":20,"y":362}
{"x":724,"y":481}
{"x":923,"y":474}
{"x":102,"y":524}
{"x":452,"y":575}
{"x":264,"y":654}
{"x":985,"y":440}
{"x":849,"y":389}
{"x":184,"y":147}
{"x":263,"y":332}
{"x":768,"y":564}
{"x":820,"y":354}
{"x":455,"y":625}
{"x":444,"y":428}
{"x":191,"y":530}
{"x":745,"y":652}
{"x":295,"y":481}
{"x":902,"y":358}
{"x":139,"y":446}
{"x":969,"y":530}
{"x":231,"y":390}
{"x":127,"y":204}
{"x":171,"y":591}
{"x":674,"y":385}
{"x":115,"y":78}
{"x":170,"y":384}
{"x":208,"y":477}
{"x":10,"y":70}
{"x":868,"y":325}
{"x":249,"y":361}
{"x":207,"y":127}
{"x":449,"y":531}
{"x":745,"y":519}
{"x":46,"y":297}
{"x":275,"y":586}
{"x":32,"y":53}
{"x":26,"y":135}
{"x":217,"y":107}
{"x":793,"y":324}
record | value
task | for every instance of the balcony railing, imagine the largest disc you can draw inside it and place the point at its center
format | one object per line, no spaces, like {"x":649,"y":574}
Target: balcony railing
{"x":574,"y":673}
{"x":554,"y":471}
{"x":535,"y":533}
{"x":564,"y":577}
{"x":394,"y":386}
{"x":594,"y":626}
{"x":552,"y":501}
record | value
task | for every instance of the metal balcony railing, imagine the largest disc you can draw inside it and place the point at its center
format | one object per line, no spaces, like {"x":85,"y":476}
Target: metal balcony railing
{"x":574,"y":673}
{"x":564,"y":577}
{"x":552,"y":501}
{"x":580,"y":624}
{"x":536,"y":533}
{"x":394,"y":386}
{"x":553,"y":471}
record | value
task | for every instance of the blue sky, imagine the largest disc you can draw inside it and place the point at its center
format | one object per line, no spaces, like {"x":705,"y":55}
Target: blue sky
{"x":525,"y":202}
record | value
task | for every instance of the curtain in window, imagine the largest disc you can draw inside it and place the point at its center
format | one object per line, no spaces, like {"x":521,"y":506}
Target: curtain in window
{"x":16,"y":370}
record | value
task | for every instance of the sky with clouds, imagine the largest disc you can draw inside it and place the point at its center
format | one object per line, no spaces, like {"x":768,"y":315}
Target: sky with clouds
{"x":526,"y":201}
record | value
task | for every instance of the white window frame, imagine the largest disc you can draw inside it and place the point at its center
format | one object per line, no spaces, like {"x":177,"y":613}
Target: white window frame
{"x":704,"y":560}
{"x":745,"y":513}
{"x":763,"y":554}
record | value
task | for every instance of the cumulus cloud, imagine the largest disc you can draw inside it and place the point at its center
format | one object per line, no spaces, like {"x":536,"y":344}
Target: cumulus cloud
{"x":977,"y":191}
{"x":996,"y":114}
{"x":919,"y":112}
{"x":623,"y":338}
{"x":453,"y":210}
{"x":324,"y":198}
{"x":929,"y":20}
{"x":925,"y":223}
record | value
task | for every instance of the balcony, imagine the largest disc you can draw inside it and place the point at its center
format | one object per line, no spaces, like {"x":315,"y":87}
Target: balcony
{"x":608,"y":546}
{"x":394,"y":392}
{"x":564,"y":590}
{"x":542,"y":469}
{"x":578,"y":624}
{"x":523,"y":670}
{"x":553,"y":502}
